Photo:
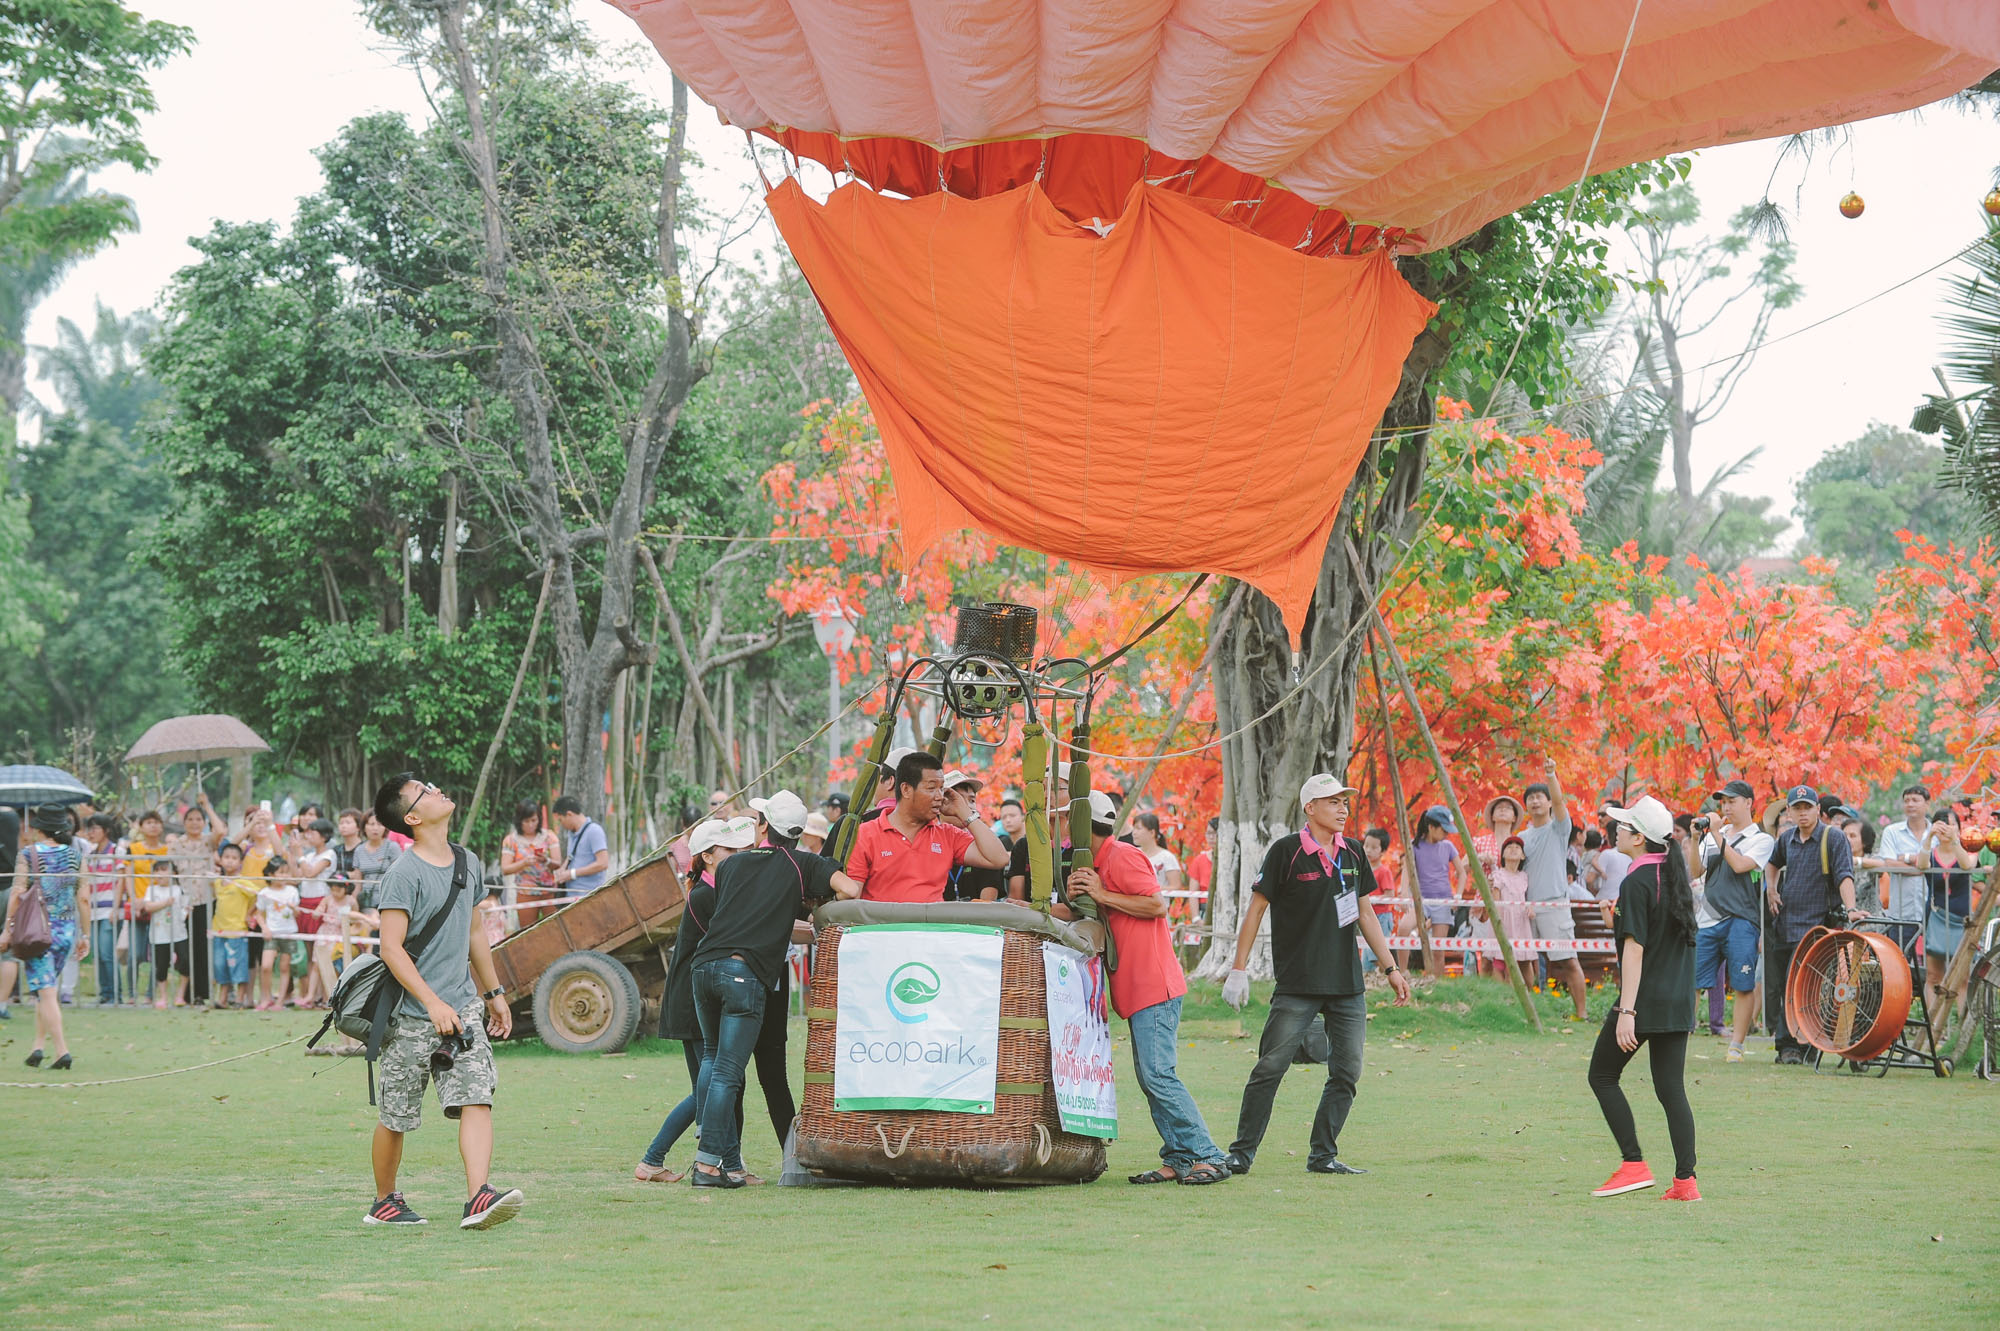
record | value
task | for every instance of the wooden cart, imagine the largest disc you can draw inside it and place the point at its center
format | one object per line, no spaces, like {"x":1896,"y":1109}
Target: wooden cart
{"x":593,"y":972}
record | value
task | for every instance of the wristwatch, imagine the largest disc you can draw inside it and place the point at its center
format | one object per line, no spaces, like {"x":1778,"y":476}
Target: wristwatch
{"x":491,"y":994}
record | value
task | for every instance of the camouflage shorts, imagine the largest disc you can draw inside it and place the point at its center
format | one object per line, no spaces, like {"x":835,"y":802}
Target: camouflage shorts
{"x":405,"y":1069}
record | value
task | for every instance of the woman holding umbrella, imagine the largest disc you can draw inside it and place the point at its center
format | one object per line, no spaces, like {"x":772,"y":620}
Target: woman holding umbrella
{"x":50,"y":861}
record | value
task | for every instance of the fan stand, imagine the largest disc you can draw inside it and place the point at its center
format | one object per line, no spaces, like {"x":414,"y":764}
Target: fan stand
{"x":1916,"y":1047}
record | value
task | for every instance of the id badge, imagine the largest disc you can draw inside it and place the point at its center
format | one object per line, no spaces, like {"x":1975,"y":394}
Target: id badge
{"x":1349,"y":906}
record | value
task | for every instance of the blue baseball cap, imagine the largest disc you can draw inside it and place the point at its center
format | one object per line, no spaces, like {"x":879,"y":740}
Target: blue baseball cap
{"x":1440,"y":815}
{"x":1803,"y":795}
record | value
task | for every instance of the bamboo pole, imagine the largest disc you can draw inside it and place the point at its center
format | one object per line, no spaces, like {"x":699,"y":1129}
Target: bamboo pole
{"x":513,"y":696}
{"x":1520,"y":986}
{"x":1402,"y":809}
{"x":1960,"y":970}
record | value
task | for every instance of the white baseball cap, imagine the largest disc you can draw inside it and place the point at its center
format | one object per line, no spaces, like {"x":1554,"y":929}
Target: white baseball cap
{"x":1647,"y":816}
{"x":729,"y":833}
{"x":1102,"y":810}
{"x":784,"y":811}
{"x":957,"y":778}
{"x":894,"y":757}
{"x":1319,"y":786}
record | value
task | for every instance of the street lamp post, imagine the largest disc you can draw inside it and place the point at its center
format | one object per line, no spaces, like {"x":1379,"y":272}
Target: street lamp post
{"x":833,"y":627}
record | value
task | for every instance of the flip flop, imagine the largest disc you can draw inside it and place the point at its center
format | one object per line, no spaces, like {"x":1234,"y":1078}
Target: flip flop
{"x":1205,"y":1173}
{"x":1154,"y":1176}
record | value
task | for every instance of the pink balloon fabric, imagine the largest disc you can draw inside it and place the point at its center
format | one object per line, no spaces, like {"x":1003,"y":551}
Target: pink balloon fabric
{"x":1428,"y":117}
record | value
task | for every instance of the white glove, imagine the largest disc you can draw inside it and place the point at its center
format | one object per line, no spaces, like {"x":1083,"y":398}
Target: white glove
{"x":1236,"y":989}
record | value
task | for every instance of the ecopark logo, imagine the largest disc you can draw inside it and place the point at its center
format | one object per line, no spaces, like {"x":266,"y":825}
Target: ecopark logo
{"x":911,"y":985}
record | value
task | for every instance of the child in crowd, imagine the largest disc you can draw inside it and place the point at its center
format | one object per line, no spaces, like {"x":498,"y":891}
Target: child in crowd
{"x":277,"y":919}
{"x":145,"y":851}
{"x":104,"y":878}
{"x":494,"y":914}
{"x":235,"y":898}
{"x":1510,"y":893}
{"x":165,"y":909}
{"x":341,"y":917}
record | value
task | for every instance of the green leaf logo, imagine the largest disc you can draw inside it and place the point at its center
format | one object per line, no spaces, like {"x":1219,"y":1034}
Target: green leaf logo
{"x":911,"y":985}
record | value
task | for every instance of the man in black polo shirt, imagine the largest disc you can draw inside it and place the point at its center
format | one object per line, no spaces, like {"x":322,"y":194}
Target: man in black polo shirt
{"x":1312,"y":884}
{"x":759,"y":894}
{"x":1812,"y":866}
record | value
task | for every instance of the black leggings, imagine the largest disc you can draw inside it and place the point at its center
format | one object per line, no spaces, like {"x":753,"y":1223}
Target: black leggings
{"x":1669,"y":1058}
{"x":770,"y":1060}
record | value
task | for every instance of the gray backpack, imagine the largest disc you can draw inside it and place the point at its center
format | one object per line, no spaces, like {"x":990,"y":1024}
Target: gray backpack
{"x":365,"y":997}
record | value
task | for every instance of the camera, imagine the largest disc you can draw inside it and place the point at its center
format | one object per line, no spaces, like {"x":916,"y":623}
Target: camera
{"x":446,"y":1054}
{"x":1701,"y":824}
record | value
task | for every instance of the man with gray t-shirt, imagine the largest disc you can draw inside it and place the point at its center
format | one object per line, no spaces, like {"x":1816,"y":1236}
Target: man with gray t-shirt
{"x":1546,"y":841}
{"x":451,"y":999}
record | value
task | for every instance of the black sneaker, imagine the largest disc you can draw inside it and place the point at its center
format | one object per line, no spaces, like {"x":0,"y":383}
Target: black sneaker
{"x":490,"y":1207}
{"x":393,"y":1210}
{"x":1238,"y":1162}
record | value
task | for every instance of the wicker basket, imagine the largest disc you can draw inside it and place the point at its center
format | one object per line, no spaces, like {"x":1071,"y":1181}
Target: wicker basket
{"x":1021,"y":1141}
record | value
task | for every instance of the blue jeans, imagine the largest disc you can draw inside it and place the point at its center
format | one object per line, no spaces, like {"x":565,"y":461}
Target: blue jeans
{"x":1184,"y":1139}
{"x":1284,"y":1031}
{"x":1733,"y":943}
{"x":681,"y":1115}
{"x":729,"y":1003}
{"x":104,"y":951}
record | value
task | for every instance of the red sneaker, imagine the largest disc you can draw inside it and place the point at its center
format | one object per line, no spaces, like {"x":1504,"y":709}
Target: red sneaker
{"x":1631,"y":1176}
{"x":1683,"y":1190}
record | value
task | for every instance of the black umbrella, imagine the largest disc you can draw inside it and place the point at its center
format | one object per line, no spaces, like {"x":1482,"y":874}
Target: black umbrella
{"x":26,"y":784}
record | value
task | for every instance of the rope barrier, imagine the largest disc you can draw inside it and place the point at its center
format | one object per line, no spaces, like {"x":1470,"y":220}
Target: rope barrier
{"x":147,"y":1076}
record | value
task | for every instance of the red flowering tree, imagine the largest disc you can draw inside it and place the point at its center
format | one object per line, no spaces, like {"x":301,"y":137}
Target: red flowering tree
{"x":1951,"y":597}
{"x":1774,"y":683}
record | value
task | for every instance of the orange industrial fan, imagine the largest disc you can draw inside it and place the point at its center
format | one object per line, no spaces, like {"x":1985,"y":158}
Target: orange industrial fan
{"x":1848,"y":993}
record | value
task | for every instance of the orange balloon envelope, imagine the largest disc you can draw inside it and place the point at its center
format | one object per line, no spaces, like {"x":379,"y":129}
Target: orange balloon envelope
{"x":1173,"y":394}
{"x":1132,"y":307}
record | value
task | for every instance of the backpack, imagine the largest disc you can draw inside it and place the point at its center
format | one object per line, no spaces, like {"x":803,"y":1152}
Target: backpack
{"x":366,"y":995}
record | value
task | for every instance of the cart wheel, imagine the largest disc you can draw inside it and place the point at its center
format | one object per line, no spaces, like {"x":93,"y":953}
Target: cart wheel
{"x":586,"y":1003}
{"x":1944,"y":1067}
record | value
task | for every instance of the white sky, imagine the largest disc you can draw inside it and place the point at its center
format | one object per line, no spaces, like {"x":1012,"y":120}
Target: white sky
{"x":268,"y":83}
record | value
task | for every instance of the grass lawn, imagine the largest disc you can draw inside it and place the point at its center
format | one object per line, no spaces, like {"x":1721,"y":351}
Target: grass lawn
{"x":233,"y":1197}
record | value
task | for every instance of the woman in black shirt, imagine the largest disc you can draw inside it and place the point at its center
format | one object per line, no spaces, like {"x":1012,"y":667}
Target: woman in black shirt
{"x":1655,"y":932}
{"x":709,"y":844}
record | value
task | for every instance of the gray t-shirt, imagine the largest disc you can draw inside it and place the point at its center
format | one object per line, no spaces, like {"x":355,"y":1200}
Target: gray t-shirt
{"x":584,"y":847}
{"x":421,"y":889}
{"x":1732,"y":895}
{"x":1548,"y":858}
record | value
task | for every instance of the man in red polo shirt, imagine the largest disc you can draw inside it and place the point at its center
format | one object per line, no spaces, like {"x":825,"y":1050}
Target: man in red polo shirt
{"x":1146,"y":990}
{"x":909,"y":852}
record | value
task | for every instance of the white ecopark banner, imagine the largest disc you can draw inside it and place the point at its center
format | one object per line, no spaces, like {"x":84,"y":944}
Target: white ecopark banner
{"x":1079,"y":1041}
{"x":918,"y":1021}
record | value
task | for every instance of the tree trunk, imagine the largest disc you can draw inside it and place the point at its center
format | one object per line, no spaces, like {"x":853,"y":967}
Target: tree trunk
{"x":590,"y":662}
{"x":1251,"y":666}
{"x":448,"y":562}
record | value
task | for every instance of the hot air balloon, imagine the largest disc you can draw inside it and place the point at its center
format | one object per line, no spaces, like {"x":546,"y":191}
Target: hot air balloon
{"x":1083,"y":242}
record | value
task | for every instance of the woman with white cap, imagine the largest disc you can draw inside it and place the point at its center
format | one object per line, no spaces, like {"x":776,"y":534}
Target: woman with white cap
{"x":710,"y":843}
{"x":1656,"y":935}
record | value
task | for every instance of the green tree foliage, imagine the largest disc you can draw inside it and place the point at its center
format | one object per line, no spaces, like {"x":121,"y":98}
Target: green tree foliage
{"x":333,"y":384}
{"x":102,"y":668}
{"x":1967,"y":416}
{"x":1853,"y":501}
{"x":72,"y":90}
